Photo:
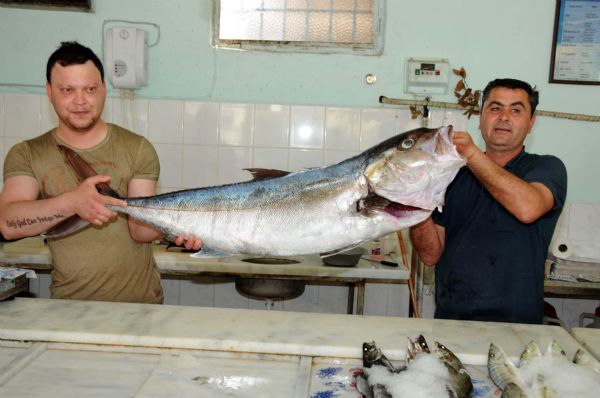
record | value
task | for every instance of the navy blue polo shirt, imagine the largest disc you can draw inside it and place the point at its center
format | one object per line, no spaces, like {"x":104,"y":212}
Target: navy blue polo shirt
{"x":492,"y":266}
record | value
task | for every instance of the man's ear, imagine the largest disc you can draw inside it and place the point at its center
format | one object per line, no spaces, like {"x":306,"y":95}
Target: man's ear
{"x":531,"y":123}
{"x":48,"y":90}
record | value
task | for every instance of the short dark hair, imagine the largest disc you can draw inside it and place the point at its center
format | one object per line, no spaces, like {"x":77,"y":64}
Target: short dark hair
{"x":534,"y":95}
{"x":72,"y":53}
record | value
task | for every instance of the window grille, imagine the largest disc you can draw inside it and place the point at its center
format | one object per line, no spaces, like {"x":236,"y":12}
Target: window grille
{"x":310,"y":24}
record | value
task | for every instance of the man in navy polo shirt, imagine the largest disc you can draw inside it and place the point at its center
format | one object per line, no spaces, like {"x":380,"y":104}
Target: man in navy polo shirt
{"x":491,"y":241}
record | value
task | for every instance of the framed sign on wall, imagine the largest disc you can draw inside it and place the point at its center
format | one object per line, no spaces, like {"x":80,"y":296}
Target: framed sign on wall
{"x":576,"y":42}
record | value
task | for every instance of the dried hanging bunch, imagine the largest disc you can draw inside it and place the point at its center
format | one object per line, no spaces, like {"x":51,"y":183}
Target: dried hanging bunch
{"x":467,"y":98}
{"x":414,"y":112}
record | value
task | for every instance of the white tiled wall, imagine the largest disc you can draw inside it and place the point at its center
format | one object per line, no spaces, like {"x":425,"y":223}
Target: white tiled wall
{"x":203,"y":144}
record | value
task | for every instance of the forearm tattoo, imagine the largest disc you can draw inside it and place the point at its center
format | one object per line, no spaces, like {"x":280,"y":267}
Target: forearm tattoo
{"x":24,"y":222}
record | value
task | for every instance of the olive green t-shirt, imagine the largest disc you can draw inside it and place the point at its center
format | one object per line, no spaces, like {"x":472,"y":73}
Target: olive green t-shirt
{"x":96,"y":263}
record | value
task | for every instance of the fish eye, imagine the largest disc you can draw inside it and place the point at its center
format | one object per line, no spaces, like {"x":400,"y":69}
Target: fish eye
{"x":407,"y":143}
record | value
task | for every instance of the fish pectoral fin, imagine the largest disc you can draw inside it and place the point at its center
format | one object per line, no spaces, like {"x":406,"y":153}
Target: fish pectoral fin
{"x":264,"y":174}
{"x":66,"y":227}
{"x":207,"y":252}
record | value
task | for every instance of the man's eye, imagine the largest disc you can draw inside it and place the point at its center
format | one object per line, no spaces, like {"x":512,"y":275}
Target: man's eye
{"x":66,"y":90}
{"x":516,"y":110}
{"x":91,"y":89}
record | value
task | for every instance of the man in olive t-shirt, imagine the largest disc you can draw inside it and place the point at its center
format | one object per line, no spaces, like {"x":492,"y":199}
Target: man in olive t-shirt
{"x":103,"y":263}
{"x":111,"y":259}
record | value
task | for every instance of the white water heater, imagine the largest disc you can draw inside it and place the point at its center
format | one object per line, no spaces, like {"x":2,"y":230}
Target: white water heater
{"x":126,"y":57}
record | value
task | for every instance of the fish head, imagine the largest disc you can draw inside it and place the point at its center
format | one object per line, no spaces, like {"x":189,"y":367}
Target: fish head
{"x":531,"y":351}
{"x":447,"y":357}
{"x":370,"y":353}
{"x":415,"y":168}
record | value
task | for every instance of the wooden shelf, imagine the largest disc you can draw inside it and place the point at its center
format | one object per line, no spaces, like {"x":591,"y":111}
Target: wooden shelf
{"x":554,"y":288}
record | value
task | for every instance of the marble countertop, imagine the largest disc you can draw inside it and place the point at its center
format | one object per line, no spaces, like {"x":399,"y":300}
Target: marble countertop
{"x":32,"y":254}
{"x":258,"y":331}
{"x":589,"y":338}
{"x":56,"y":348}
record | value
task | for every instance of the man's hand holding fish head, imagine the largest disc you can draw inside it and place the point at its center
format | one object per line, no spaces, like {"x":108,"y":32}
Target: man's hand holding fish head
{"x":464,"y":144}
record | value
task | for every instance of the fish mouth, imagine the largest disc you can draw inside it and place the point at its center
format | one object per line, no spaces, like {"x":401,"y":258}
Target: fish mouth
{"x":400,"y":210}
{"x":377,"y":203}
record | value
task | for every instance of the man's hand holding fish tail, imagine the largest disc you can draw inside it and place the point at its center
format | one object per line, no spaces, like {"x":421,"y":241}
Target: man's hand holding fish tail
{"x":22,"y":215}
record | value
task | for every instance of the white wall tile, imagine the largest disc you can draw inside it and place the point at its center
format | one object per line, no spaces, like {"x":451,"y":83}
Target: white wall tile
{"x":2,"y":146}
{"x":562,"y":226}
{"x":45,"y":280}
{"x":307,"y":302}
{"x":375,"y":299}
{"x":107,"y":113}
{"x":572,"y":309}
{"x":141,"y":116}
{"x":584,"y":221}
{"x":199,"y":166}
{"x":198,"y":291}
{"x":267,"y":305}
{"x":165,"y":121}
{"x":428,"y":305}
{"x":9,"y":142}
{"x":226,"y":296}
{"x":271,"y":125}
{"x":33,"y":286}
{"x":436,"y":118}
{"x":2,"y":114}
{"x":398,"y":300}
{"x":48,"y":118}
{"x":456,"y":118}
{"x":170,"y":290}
{"x":307,"y":126}
{"x":170,"y":156}
{"x":22,"y":116}
{"x":132,"y":115}
{"x":342,"y":129}
{"x":235,"y":124}
{"x":333,"y":157}
{"x":304,"y":159}
{"x":201,"y":123}
{"x":333,"y":299}
{"x":271,"y":158}
{"x":405,"y":122}
{"x":232,"y":162}
{"x":376,"y":125}
{"x":2,"y":156}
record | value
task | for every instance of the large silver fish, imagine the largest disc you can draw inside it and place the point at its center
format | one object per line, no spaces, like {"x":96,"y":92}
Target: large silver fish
{"x":389,"y":187}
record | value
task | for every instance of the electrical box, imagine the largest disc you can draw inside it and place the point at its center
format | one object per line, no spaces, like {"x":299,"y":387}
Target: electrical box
{"x":427,"y":76}
{"x":126,"y":57}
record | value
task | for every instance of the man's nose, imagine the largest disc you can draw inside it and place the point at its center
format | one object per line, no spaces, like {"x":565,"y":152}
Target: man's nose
{"x":79,"y":97}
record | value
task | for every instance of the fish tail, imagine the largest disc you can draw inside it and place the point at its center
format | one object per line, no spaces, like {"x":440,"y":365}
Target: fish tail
{"x":83,"y":171}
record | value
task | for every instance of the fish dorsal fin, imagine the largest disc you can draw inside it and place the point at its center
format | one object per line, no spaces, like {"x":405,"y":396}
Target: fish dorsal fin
{"x":264,"y":174}
{"x":84,"y":170}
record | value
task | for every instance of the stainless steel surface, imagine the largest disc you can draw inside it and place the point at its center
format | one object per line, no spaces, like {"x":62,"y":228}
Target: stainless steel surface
{"x":274,"y":289}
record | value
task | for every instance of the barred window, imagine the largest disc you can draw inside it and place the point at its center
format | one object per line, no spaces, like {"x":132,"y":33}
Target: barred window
{"x":299,"y":24}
